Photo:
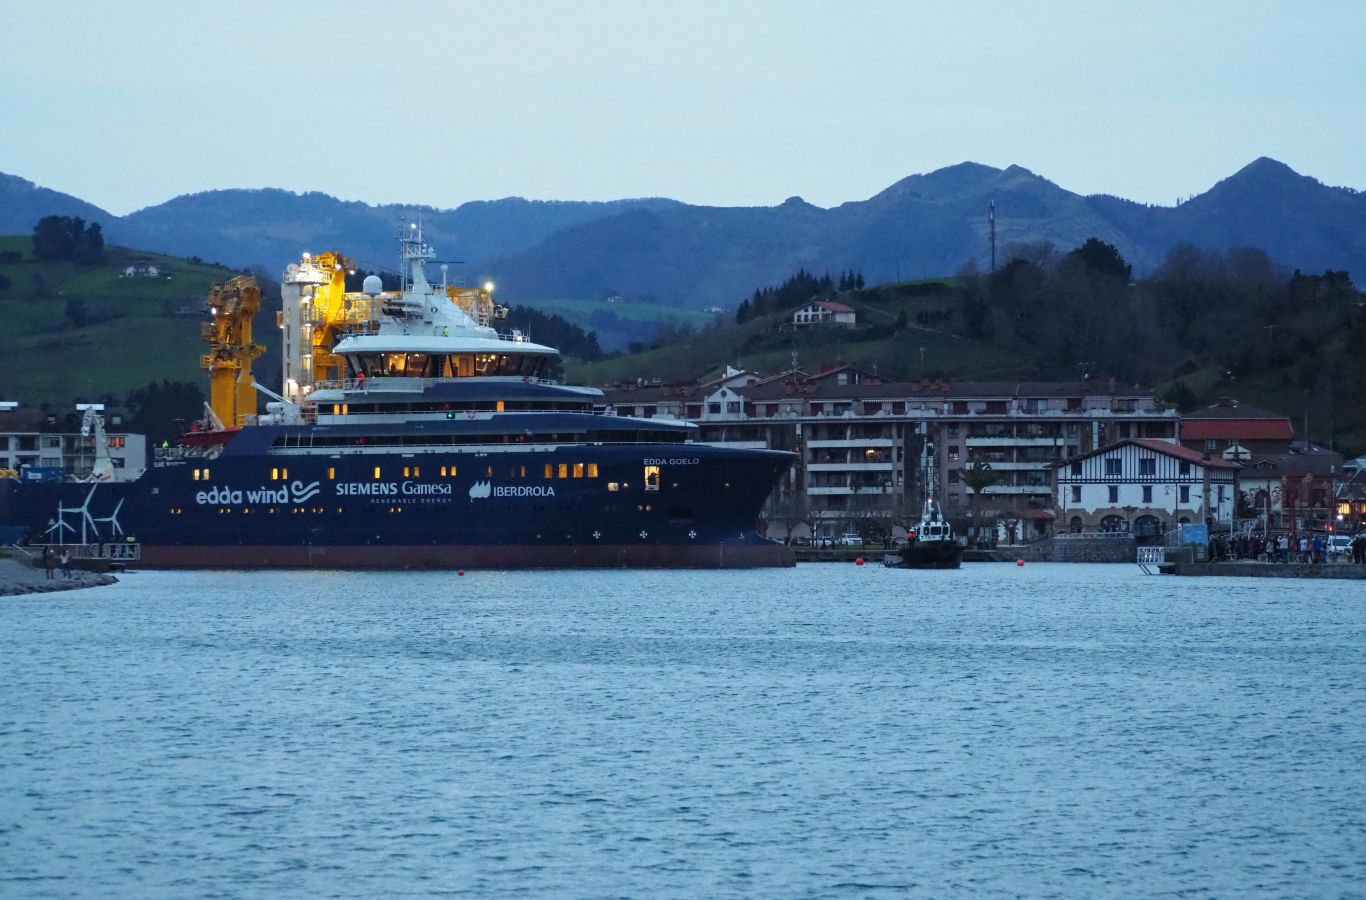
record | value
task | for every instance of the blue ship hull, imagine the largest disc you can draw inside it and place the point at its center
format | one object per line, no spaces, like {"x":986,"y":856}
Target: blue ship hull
{"x":503,"y":506}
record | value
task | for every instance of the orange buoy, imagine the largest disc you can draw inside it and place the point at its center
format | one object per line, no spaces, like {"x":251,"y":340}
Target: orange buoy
{"x":859,"y":561}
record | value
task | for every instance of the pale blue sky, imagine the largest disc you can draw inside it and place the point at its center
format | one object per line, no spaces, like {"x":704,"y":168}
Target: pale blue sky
{"x":730,"y":103}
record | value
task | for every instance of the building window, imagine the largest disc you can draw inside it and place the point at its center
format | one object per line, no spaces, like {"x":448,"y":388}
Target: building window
{"x":1076,"y":493}
{"x":1076,"y":468}
{"x":1211,"y":444}
{"x":1147,"y":493}
{"x":1113,"y":490}
{"x":1114,"y":467}
{"x":953,"y":454}
{"x":1147,"y":467}
{"x":953,"y":476}
{"x":1184,"y":493}
{"x":1184,"y":469}
{"x":714,"y":409}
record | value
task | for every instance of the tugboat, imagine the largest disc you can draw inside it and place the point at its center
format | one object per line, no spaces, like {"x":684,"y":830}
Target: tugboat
{"x":930,"y":545}
{"x":411,"y":433}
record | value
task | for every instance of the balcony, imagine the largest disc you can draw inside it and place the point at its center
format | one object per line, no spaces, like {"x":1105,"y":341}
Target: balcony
{"x":884,"y":466}
{"x":1029,"y":441}
{"x":851,"y":443}
{"x":738,"y":445}
{"x":1016,"y":465}
{"x":846,"y":491}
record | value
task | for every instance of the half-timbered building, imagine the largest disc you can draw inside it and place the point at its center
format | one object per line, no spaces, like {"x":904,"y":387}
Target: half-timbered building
{"x":1143,"y":486}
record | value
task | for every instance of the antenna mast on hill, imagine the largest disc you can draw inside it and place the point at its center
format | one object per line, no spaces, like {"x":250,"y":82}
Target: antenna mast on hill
{"x":991,"y":224}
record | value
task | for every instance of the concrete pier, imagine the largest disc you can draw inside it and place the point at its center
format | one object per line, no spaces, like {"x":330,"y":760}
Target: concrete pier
{"x":1339,"y":570}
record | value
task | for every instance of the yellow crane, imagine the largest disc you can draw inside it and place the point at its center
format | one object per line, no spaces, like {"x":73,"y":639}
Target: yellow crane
{"x":233,"y":304}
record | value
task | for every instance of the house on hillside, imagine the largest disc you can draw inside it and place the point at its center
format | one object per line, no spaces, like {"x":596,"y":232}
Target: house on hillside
{"x":141,"y":269}
{"x":1144,"y":487}
{"x":824,"y":312}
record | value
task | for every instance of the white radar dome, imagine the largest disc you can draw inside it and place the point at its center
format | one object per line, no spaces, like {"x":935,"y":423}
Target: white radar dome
{"x":372,"y":285}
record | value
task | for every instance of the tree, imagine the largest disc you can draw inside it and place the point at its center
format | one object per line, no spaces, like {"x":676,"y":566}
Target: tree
{"x":68,"y":238}
{"x":743,"y":314}
{"x":1100,"y":258}
{"x":977,"y":477}
{"x":161,"y":409}
{"x":1181,"y":396}
{"x":77,"y":312}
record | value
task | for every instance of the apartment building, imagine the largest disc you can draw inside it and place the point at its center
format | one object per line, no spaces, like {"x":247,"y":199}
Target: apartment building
{"x":871,"y":448}
{"x":53,"y":442}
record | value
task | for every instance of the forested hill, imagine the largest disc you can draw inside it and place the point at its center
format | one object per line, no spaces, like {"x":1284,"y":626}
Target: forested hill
{"x":1203,"y":325}
{"x":694,"y":257}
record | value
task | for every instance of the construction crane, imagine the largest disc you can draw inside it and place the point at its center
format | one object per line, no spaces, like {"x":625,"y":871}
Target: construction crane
{"x":233,"y":304}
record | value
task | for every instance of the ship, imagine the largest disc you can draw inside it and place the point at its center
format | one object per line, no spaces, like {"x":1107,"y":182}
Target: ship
{"x":931,"y":544}
{"x":410,"y":432}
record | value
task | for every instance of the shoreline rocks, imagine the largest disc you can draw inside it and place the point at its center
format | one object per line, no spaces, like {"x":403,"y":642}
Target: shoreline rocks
{"x":18,"y":579}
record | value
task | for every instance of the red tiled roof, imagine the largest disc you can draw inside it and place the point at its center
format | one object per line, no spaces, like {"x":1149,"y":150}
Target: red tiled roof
{"x":834,"y":307}
{"x":1173,"y":450}
{"x":1237,"y":429}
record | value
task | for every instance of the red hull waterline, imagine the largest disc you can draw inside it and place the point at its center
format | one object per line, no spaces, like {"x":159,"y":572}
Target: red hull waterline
{"x":711,"y":556}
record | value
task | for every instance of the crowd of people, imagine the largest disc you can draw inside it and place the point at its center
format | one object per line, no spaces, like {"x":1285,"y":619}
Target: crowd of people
{"x":1283,"y":548}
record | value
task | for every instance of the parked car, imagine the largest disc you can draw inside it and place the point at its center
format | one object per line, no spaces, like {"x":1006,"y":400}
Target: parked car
{"x":801,"y":542}
{"x":851,"y":540}
{"x":1339,"y":545}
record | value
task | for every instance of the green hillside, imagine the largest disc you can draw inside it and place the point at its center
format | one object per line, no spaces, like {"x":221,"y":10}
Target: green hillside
{"x":905,"y":331}
{"x":76,"y":332}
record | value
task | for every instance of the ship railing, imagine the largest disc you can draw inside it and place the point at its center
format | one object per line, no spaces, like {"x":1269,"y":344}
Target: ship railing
{"x":406,"y":384}
{"x":121,"y":551}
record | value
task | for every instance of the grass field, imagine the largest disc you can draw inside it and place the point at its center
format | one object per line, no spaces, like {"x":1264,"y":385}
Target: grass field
{"x":135,"y":333}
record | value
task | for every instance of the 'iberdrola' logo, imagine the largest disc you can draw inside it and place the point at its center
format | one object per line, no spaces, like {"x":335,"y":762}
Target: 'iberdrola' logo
{"x":481,"y":490}
{"x":301,"y":494}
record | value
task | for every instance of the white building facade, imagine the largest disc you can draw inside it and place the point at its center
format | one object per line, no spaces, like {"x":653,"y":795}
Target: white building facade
{"x":1144,"y":487}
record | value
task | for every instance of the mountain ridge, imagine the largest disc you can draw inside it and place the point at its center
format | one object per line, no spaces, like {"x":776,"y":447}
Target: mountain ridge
{"x":924,"y":225}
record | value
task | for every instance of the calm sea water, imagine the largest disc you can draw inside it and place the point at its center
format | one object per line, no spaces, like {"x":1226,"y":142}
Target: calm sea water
{"x":829,"y":731}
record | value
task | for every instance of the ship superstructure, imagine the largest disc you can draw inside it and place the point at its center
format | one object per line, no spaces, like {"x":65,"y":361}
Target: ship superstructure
{"x":411,"y":432}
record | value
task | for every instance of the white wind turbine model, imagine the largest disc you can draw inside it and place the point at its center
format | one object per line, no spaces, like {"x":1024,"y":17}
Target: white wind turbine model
{"x":113,"y":519}
{"x":58,"y":524}
{"x":86,"y":518}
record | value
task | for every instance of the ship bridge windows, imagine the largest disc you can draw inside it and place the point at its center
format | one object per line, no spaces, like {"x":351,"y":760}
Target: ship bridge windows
{"x":448,"y":365}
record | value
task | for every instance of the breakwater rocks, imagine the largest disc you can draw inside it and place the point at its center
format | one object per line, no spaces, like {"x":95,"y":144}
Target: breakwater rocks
{"x":17,"y":578}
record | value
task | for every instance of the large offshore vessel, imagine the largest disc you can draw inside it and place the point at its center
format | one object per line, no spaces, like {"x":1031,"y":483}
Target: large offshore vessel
{"x":411,"y":433}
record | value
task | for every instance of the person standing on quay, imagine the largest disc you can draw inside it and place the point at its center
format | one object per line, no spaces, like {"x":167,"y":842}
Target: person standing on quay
{"x":65,"y":560}
{"x":47,"y":561}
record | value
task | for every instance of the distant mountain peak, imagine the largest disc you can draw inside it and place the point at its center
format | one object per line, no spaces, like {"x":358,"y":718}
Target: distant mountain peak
{"x":1265,"y":165}
{"x":946,"y":184}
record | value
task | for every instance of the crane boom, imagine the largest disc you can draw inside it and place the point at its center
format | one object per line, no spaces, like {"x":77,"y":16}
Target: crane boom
{"x":232,"y":304}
